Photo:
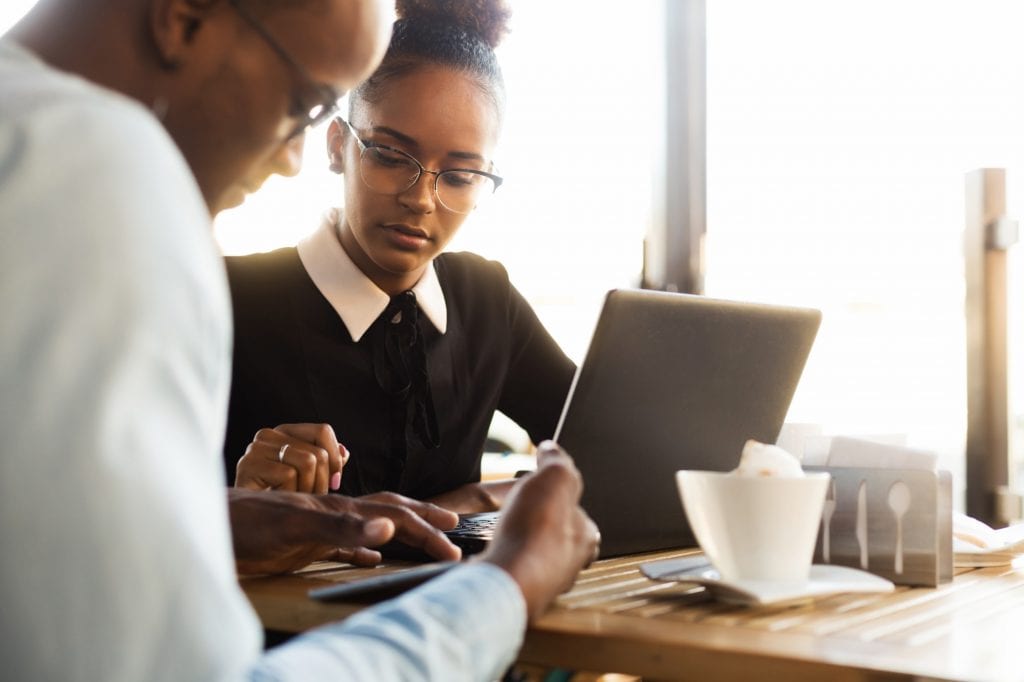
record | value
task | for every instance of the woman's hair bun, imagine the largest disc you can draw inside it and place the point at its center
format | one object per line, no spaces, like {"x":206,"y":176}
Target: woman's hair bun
{"x":488,"y":19}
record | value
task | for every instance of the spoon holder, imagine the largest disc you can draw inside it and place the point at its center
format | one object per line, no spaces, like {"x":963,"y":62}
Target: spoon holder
{"x":927,"y":525}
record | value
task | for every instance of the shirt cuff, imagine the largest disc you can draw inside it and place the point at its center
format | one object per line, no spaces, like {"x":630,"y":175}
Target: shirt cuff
{"x":467,"y":624}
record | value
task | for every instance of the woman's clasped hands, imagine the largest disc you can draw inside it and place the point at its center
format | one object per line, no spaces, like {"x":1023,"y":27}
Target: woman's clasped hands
{"x":297,"y":457}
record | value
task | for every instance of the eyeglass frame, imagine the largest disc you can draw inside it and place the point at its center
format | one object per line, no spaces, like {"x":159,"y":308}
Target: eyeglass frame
{"x":328,"y":95}
{"x":363,"y":146}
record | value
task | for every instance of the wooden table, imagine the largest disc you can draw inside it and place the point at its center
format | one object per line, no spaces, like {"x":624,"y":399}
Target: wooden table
{"x":616,"y":620}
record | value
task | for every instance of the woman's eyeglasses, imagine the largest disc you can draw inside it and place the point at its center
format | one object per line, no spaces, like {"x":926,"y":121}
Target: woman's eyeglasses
{"x":387,"y":170}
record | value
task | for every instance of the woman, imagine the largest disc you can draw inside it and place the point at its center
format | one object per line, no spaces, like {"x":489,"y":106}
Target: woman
{"x":366,"y":327}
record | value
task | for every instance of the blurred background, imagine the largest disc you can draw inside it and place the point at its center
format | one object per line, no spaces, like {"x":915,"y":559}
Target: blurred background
{"x":837,"y":139}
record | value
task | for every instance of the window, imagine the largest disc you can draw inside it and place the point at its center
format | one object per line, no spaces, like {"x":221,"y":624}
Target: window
{"x":839,"y":137}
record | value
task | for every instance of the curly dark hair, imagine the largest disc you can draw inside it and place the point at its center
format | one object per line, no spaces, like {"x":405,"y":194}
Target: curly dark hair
{"x":459,"y":34}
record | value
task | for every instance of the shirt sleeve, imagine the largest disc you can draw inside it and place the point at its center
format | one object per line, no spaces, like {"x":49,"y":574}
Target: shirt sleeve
{"x":465,"y":625}
{"x":117,"y":558}
{"x":117,"y":561}
{"x":539,"y":372}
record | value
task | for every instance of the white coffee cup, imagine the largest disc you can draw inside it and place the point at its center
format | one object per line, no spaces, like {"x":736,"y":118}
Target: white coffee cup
{"x":760,"y":528}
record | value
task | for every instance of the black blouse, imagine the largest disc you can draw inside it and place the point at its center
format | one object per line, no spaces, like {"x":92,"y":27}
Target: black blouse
{"x":294,"y":361}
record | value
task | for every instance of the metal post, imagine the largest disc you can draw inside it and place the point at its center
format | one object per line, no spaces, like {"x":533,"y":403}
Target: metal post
{"x":673,"y":252}
{"x":987,"y":236}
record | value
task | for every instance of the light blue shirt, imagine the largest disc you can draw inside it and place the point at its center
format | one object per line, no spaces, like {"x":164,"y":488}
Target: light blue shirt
{"x":115,"y":346}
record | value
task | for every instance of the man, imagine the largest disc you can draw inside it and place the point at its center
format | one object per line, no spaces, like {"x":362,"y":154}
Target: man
{"x":117,"y":558}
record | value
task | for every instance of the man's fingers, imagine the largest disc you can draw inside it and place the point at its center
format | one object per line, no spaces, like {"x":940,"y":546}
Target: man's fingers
{"x":364,"y":556}
{"x":436,"y":516}
{"x":416,"y":531}
{"x":550,"y":450}
{"x":412,"y":525}
{"x":346,"y":530}
{"x":556,"y":474}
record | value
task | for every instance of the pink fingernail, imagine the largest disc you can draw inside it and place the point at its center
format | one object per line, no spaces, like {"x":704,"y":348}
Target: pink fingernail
{"x":335,"y":480}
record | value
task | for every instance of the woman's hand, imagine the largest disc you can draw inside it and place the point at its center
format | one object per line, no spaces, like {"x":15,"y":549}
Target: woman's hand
{"x":305,"y":458}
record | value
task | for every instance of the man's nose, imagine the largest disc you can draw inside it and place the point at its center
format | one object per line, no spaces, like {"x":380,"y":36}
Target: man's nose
{"x":287,"y":160}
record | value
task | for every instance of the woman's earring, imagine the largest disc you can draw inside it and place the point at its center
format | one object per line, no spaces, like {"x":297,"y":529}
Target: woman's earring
{"x":336,"y":164}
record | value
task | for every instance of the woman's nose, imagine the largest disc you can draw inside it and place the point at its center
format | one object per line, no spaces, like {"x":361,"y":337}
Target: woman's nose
{"x":420,"y":196}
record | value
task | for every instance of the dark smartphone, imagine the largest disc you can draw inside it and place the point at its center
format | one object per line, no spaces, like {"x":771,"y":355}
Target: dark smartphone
{"x":377,"y":588}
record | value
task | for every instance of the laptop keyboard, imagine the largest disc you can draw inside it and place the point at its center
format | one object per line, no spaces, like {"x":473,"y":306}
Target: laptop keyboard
{"x":472,"y":534}
{"x":475,"y":526}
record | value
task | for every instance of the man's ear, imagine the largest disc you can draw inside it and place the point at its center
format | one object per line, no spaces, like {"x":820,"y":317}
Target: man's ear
{"x":174,"y":24}
{"x":336,"y":134}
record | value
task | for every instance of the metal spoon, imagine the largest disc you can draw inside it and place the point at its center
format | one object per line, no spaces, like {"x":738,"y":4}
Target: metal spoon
{"x":899,"y":503}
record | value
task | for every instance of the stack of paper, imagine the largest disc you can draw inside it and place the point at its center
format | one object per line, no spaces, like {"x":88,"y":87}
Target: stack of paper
{"x":977,"y":544}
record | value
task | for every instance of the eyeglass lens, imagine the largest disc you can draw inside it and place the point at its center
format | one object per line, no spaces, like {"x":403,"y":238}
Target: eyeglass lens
{"x":310,"y":117}
{"x":390,"y":171}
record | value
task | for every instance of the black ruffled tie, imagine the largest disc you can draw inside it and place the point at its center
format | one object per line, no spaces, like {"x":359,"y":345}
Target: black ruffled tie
{"x":400,"y":366}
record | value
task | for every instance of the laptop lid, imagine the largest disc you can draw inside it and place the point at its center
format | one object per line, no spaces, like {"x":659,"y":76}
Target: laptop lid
{"x":669,"y":382}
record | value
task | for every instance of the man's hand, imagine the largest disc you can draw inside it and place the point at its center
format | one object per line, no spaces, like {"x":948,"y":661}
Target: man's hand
{"x":276,"y":532}
{"x":305,"y":458}
{"x":544,"y":538}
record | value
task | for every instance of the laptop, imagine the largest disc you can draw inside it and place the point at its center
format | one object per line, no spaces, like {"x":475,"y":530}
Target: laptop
{"x":670,"y":381}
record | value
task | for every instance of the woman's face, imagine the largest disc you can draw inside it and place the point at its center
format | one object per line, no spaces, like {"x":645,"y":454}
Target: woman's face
{"x":444,"y":120}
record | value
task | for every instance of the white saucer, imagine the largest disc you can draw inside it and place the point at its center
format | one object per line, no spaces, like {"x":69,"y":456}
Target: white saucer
{"x":824,"y":580}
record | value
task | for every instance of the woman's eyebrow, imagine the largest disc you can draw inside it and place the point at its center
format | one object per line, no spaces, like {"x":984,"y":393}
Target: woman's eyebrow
{"x":411,"y":142}
{"x":391,"y":132}
{"x":469,"y":156}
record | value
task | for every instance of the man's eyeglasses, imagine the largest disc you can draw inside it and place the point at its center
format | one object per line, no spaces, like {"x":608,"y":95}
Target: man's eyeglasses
{"x":307,"y":115}
{"x":387,"y":170}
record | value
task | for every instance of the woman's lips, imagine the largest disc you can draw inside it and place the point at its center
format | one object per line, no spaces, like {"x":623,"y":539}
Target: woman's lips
{"x":406,"y":236}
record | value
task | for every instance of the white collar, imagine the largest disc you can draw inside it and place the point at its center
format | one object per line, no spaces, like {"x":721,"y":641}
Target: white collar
{"x":356,"y":299}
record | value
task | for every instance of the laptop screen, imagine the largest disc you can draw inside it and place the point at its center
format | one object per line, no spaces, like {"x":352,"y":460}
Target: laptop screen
{"x":669,"y":382}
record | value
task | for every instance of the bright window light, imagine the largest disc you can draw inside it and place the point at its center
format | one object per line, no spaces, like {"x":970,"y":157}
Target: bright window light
{"x":839,"y":137}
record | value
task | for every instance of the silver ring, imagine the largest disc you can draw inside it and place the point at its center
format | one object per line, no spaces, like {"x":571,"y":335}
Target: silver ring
{"x":280,"y":453}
